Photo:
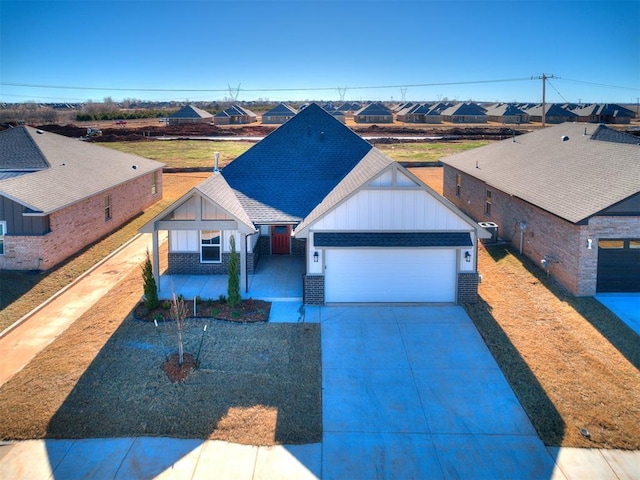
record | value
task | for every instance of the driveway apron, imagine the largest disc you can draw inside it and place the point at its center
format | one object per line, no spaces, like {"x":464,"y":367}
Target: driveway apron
{"x":413,"y":392}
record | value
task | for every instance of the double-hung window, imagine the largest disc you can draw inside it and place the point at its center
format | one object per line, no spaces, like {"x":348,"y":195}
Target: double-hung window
{"x":487,"y":203}
{"x":210,"y":246}
{"x":3,"y":232}
{"x":107,"y":208}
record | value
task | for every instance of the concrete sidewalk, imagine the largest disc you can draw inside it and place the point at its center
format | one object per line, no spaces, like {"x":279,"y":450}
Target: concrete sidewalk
{"x":22,"y":341}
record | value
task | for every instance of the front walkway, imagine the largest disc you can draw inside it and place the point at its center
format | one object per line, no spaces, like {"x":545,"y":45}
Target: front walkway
{"x":277,"y":278}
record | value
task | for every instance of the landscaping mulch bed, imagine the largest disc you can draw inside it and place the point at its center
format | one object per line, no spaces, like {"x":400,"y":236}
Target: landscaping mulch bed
{"x":246,"y":311}
{"x":106,"y":376}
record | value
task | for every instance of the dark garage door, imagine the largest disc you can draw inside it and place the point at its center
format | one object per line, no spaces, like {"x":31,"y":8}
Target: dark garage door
{"x":618,"y":265}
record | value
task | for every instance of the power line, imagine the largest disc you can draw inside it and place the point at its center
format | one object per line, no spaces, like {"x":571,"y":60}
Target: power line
{"x":256,"y":90}
{"x":601,"y":84}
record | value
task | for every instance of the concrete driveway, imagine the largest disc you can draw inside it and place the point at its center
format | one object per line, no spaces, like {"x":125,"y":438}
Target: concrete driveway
{"x":413,"y":392}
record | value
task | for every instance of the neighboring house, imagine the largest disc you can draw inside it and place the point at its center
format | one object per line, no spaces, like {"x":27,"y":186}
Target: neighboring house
{"x":235,"y":115}
{"x":279,"y":114}
{"x":466,"y":112}
{"x":58,"y":195}
{"x":604,"y":113}
{"x":506,"y":113}
{"x":416,"y":113}
{"x":370,"y":231}
{"x":554,"y":113}
{"x":190,"y":114}
{"x":373,"y":113}
{"x":567,"y":196}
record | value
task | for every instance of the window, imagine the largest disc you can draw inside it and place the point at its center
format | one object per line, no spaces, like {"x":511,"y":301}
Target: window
{"x":210,"y":246}
{"x":458,"y":184}
{"x":154,"y":183}
{"x":634,"y":243}
{"x":3,"y":232}
{"x":611,"y":244}
{"x":107,"y":208}
{"x":487,"y":203}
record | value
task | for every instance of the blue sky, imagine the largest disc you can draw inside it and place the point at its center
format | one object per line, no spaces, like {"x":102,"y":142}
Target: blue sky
{"x":308,"y":50}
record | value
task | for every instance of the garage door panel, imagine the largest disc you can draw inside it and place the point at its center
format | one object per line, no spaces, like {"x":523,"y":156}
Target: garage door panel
{"x":618,"y":269}
{"x":390,"y":275}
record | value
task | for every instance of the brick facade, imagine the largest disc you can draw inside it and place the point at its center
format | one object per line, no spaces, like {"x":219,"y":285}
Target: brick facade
{"x":189,"y":264}
{"x":571,"y":263}
{"x":313,"y":289}
{"x":79,"y":225}
{"x":467,"y":288}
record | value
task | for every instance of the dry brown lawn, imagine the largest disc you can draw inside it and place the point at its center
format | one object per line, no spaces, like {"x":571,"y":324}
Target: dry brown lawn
{"x":257,"y":383}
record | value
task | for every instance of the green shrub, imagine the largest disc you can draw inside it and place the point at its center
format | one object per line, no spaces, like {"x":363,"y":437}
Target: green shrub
{"x":233,"y":289}
{"x":150,"y":289}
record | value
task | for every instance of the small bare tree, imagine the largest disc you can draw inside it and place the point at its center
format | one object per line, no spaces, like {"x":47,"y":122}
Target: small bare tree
{"x":178,"y":313}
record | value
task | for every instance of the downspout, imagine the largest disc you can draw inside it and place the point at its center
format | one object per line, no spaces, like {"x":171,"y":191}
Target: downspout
{"x":246,"y":260}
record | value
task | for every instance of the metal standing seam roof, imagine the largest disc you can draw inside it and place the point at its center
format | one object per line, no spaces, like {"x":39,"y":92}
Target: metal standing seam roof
{"x":78,"y":170}
{"x":558,"y":169}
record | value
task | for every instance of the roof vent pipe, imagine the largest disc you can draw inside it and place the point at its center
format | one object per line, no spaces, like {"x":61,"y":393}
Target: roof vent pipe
{"x":216,"y":156}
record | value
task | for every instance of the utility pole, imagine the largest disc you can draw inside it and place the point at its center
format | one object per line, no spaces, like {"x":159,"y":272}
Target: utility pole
{"x":544,"y":84}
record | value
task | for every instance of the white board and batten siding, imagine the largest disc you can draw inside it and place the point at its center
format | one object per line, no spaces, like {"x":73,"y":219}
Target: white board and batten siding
{"x":390,"y":203}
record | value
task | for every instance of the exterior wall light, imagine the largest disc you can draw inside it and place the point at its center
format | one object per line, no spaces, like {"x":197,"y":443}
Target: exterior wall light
{"x":467,"y":256}
{"x":589,"y":244}
{"x":315,"y":257}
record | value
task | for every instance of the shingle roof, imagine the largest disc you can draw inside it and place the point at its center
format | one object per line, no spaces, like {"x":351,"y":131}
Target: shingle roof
{"x":374,"y":109}
{"x":77,"y":171}
{"x":236,"y":111}
{"x":189,"y":111}
{"x":465,"y":109}
{"x":611,"y":109}
{"x":504,"y":109}
{"x":18,"y":152}
{"x":287,"y":174}
{"x":551,"y":110}
{"x":280,"y":110}
{"x":573,"y":178}
{"x":392,"y":239}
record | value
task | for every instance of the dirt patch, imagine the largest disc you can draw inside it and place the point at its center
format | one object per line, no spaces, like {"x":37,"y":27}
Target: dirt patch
{"x":176,"y":371}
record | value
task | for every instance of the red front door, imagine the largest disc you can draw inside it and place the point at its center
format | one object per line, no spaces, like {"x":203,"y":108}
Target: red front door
{"x":280,"y":239}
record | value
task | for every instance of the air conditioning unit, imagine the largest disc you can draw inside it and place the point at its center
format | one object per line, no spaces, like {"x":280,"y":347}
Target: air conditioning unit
{"x":492,"y":228}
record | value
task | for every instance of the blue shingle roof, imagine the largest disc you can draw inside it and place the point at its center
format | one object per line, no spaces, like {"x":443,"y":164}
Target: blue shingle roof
{"x":283,"y":177}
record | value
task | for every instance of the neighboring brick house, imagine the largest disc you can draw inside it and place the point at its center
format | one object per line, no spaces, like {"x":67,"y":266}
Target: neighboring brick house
{"x":553,"y":113}
{"x":465,"y":112}
{"x":235,"y":115}
{"x":604,"y":113}
{"x":190,"y":114}
{"x":506,"y":113}
{"x":373,"y":113}
{"x":316,"y":189}
{"x":58,"y":195}
{"x":567,"y":196}
{"x":279,"y":114}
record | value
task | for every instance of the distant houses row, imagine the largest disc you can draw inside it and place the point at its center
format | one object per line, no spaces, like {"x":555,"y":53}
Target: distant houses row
{"x":463,"y":112}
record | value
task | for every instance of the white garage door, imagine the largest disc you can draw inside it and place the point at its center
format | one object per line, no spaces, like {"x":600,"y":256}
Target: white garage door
{"x":390,"y":275}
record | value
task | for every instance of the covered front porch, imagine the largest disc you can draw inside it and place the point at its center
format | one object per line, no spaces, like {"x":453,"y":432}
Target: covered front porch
{"x":276,"y":278}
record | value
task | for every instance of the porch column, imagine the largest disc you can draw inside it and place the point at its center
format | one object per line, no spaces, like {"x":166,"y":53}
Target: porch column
{"x":243,"y":262}
{"x":156,"y":258}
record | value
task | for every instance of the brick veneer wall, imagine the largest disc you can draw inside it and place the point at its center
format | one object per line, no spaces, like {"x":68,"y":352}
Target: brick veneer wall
{"x":313,"y":289}
{"x":79,"y":225}
{"x":298,"y":247}
{"x":467,"y":288}
{"x":189,"y":264}
{"x":572,"y":264}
